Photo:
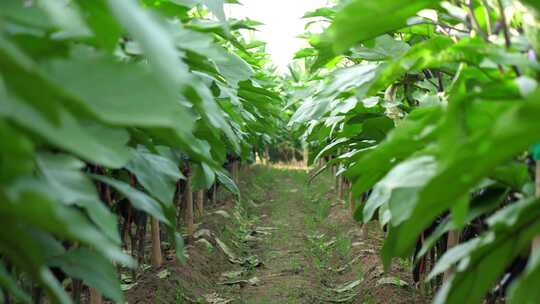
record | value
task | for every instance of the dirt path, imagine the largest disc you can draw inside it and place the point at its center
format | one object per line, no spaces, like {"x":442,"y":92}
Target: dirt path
{"x":286,"y":276}
{"x":317,"y":253}
{"x":290,"y":243}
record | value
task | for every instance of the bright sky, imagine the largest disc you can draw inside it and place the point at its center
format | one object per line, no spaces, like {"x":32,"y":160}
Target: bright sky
{"x":283,"y":23}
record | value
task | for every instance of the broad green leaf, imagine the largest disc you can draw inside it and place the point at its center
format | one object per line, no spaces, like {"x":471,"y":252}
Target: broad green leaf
{"x":228,"y":183}
{"x":93,"y":269}
{"x":31,"y":208}
{"x":157,"y":174}
{"x":431,"y":52}
{"x":203,"y":177}
{"x":106,"y":29}
{"x":85,"y":138}
{"x":399,"y":145}
{"x":25,"y":252}
{"x":524,"y":290}
{"x":399,"y":188}
{"x":9,"y":284}
{"x":24,"y":14}
{"x":385,"y":48}
{"x":72,"y":187}
{"x":234,"y":68}
{"x":514,"y":129}
{"x":485,"y":258}
{"x":488,"y":200}
{"x":121,"y":94}
{"x":16,"y":155}
{"x":216,"y":7}
{"x":66,"y":17}
{"x":155,"y":40}
{"x":326,"y":12}
{"x":24,"y":74}
{"x":362,"y":20}
{"x":137,"y":198}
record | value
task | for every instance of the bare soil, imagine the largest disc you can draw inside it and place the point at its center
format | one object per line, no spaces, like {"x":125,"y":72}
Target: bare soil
{"x":298,"y":243}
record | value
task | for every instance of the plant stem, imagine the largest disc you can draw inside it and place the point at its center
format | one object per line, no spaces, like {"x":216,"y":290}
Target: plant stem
{"x":157,"y":258}
{"x":507,"y":41}
{"x":200,"y":202}
{"x":189,"y":207}
{"x":506,"y":33}
{"x":488,"y":19}
{"x":95,"y":296}
{"x":474,"y":22}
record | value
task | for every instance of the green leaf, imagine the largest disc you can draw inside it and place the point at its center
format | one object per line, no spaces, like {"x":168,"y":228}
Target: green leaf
{"x":399,"y":188}
{"x":22,"y":249}
{"x":121,"y":94}
{"x":32,"y":208}
{"x":432,"y":52}
{"x":228,"y":183}
{"x":515,"y":129}
{"x":157,"y":174}
{"x":106,"y":29}
{"x":67,"y":18}
{"x":385,"y":48}
{"x":24,"y":14}
{"x":155,"y":40}
{"x":203,"y":177}
{"x":137,"y":198}
{"x":488,"y":200}
{"x":216,"y":7}
{"x":10,"y":285}
{"x":93,"y":269}
{"x":23,"y":72}
{"x":72,"y":187}
{"x":523,"y":290}
{"x":16,"y":155}
{"x":85,"y":138}
{"x":399,"y":145}
{"x":514,"y":175}
{"x":363,"y":20}
{"x":485,"y":258}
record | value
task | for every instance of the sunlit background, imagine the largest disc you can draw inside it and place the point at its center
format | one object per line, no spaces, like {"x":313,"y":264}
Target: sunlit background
{"x":283,"y":23}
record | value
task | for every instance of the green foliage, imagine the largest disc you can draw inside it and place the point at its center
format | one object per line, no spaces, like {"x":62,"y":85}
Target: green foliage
{"x":461,"y":103}
{"x":103,"y":102}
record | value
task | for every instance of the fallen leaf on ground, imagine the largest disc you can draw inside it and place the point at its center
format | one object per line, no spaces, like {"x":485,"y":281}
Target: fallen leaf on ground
{"x":223,"y":213}
{"x":214,"y":298}
{"x":205,"y":243}
{"x":232,"y":274}
{"x":230,"y":254}
{"x":348,"y":287}
{"x":253,"y":282}
{"x":202,"y":232}
{"x":126,"y":287}
{"x":392,"y":281}
{"x":163,"y":274}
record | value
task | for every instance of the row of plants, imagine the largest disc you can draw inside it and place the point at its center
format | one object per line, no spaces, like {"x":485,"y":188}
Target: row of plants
{"x":430,"y":110}
{"x":113,"y":113}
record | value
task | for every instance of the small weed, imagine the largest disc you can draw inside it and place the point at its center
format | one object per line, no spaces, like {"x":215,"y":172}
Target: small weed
{"x":368,"y":299}
{"x":157,"y":296}
{"x":343,"y":246}
{"x":404,"y":263}
{"x":179,"y":299}
{"x":321,"y":208}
